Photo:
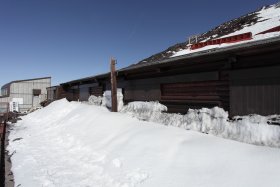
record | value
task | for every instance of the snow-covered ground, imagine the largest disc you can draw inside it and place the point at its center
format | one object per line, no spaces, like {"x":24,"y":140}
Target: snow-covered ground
{"x":267,"y":18}
{"x":74,"y":144}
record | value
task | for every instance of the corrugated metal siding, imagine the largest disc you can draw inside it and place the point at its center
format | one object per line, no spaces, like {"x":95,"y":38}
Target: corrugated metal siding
{"x":4,"y":107}
{"x":24,"y":90}
{"x":4,"y":99}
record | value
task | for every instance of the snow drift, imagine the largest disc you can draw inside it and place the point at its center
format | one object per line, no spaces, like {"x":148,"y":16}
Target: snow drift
{"x":252,"y":129}
{"x":75,"y":144}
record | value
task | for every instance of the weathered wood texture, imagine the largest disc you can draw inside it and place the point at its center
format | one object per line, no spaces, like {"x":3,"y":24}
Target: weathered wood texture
{"x":149,"y":89}
{"x":96,"y":90}
{"x":195,"y":95}
{"x":61,"y":92}
{"x":114,"y":103}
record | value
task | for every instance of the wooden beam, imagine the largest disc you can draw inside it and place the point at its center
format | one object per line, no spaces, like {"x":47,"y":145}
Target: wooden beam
{"x":114,"y":86}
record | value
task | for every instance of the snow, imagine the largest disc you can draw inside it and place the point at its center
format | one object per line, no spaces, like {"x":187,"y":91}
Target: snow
{"x":144,"y":110}
{"x":107,"y":99}
{"x":94,"y":100}
{"x":268,"y":18}
{"x":252,"y":129}
{"x":210,"y":47}
{"x":77,"y":144}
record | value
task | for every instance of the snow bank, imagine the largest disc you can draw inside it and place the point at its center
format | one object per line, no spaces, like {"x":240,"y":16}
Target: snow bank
{"x":93,"y":100}
{"x":70,"y":144}
{"x":252,"y":129}
{"x":107,"y":99}
{"x":144,"y":110}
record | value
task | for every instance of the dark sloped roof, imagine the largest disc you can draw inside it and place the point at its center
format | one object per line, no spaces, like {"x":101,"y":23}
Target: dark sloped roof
{"x":90,"y":78}
{"x":230,"y":49}
{"x":212,"y":51}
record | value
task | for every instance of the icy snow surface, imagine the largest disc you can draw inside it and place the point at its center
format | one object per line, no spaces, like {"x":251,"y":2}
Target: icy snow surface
{"x":268,"y":18}
{"x":73,"y":144}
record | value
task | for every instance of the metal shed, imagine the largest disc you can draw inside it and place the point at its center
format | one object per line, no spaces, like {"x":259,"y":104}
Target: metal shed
{"x":25,"y":94}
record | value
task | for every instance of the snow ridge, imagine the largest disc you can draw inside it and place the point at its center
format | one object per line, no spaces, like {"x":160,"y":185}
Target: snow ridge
{"x":252,"y":129}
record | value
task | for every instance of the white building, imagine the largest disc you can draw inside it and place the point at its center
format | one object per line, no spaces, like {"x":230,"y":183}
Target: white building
{"x":25,"y":94}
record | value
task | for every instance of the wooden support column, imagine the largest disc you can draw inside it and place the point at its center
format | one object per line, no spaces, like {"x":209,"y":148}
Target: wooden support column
{"x":114,"y":86}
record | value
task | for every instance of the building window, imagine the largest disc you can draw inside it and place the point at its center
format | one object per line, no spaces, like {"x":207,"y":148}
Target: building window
{"x":36,"y":92}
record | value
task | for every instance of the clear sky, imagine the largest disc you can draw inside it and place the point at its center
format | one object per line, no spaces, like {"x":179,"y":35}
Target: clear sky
{"x":71,"y":39}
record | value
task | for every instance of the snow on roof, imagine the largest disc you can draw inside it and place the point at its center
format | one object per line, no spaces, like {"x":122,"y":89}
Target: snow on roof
{"x":268,"y":17}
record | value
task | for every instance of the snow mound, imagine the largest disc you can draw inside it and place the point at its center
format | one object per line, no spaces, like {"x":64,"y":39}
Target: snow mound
{"x":252,"y":129}
{"x":93,"y":100}
{"x":70,"y":144}
{"x":144,"y":110}
{"x":50,"y":114}
{"x":107,"y":99}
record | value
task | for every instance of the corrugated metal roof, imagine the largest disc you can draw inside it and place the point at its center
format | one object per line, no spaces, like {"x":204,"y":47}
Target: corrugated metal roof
{"x":24,"y":80}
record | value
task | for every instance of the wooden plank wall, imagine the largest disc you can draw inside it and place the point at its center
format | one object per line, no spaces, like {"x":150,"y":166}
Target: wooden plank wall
{"x":195,"y":95}
{"x":61,"y":93}
{"x":96,"y":90}
{"x":149,"y":89}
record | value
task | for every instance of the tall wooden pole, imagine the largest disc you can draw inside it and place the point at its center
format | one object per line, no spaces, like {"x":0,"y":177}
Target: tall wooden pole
{"x":114,"y":86}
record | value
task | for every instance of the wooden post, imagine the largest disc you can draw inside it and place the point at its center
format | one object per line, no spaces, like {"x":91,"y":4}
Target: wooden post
{"x":114,"y":86}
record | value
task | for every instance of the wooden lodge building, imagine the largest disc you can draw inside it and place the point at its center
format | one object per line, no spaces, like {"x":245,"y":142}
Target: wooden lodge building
{"x":243,"y":79}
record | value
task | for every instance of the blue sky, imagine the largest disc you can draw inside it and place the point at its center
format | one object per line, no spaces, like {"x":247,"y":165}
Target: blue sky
{"x":71,"y":39}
